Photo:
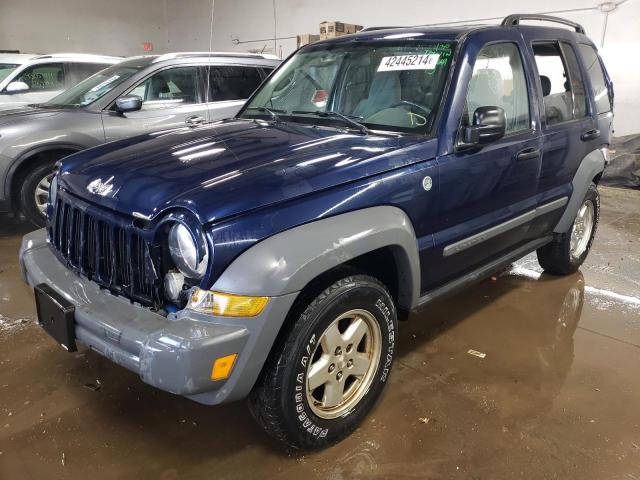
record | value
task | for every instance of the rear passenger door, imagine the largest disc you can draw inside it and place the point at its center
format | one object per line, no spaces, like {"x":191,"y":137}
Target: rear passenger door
{"x":486,"y":192}
{"x":171,"y":98}
{"x":569,"y":129}
{"x":229,"y":88}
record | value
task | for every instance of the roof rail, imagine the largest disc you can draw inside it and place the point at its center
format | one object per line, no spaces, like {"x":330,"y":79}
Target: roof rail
{"x":516,"y":18}
{"x":169,"y":56}
{"x":373,"y":29}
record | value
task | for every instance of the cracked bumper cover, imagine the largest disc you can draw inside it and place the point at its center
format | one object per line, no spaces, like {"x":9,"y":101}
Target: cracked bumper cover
{"x":174,"y":353}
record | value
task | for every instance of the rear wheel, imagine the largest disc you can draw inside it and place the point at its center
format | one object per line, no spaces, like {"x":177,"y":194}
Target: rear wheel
{"x":34,"y":193}
{"x":566,"y":253}
{"x":321,"y":382}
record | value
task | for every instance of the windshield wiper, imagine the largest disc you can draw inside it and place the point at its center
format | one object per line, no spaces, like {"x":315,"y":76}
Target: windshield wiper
{"x":276,"y":118}
{"x":345,"y":118}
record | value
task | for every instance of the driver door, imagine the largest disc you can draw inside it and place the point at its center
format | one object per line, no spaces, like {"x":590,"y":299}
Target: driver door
{"x":486,"y":190}
{"x":171,"y":98}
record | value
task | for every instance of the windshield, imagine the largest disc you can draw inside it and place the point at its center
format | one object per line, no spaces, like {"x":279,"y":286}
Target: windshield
{"x":93,"y":88}
{"x":6,"y":69}
{"x":392,"y":86}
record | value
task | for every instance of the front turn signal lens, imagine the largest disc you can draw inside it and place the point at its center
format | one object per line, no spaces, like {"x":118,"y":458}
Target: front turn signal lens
{"x":225,"y":304}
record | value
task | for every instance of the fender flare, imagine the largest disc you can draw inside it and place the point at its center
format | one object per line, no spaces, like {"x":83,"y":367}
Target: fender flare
{"x":589,"y":168}
{"x":24,"y":157}
{"x":286,"y":262}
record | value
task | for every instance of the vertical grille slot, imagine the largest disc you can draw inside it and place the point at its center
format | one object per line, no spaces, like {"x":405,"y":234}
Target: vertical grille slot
{"x":115,"y":257}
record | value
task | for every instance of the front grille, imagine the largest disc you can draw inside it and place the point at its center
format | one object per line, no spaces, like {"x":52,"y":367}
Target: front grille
{"x":113,"y":255}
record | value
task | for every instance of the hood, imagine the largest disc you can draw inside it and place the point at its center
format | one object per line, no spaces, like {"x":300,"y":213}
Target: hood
{"x":11,"y":114}
{"x":225,"y":168}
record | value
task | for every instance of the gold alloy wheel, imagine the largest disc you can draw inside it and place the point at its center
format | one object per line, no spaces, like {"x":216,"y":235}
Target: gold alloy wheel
{"x":343,"y":364}
{"x":582,"y":228}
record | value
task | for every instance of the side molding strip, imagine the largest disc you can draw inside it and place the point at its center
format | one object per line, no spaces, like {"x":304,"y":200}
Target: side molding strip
{"x":501,"y":228}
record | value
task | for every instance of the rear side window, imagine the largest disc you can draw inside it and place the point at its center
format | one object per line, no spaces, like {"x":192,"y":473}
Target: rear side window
{"x":557,"y":93}
{"x":233,"y":82}
{"x":76,"y":72}
{"x":576,"y":82}
{"x":499,"y":80}
{"x":596,"y":75}
{"x":42,"y":78}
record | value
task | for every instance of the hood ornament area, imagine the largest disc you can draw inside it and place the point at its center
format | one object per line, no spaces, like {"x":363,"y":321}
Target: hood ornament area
{"x":98,"y":187}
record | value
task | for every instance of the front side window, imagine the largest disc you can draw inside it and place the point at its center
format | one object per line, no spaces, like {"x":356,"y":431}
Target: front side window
{"x":233,"y":82}
{"x":499,"y":81}
{"x":395,"y":86}
{"x":596,"y":75}
{"x":168,"y":88}
{"x":42,"y":78}
{"x":6,"y":69}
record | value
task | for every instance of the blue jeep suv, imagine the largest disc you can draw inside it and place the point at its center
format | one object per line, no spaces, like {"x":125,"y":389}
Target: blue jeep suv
{"x":271,"y":255}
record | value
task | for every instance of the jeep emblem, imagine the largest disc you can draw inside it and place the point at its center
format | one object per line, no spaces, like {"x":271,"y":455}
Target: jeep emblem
{"x":427,"y":183}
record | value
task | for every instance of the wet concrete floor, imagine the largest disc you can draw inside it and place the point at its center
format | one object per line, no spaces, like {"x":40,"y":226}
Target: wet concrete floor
{"x":556,"y":396}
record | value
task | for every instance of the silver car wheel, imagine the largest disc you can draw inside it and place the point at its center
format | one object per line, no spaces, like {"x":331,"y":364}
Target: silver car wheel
{"x":41,"y":195}
{"x":343,"y":364}
{"x":582,"y":229}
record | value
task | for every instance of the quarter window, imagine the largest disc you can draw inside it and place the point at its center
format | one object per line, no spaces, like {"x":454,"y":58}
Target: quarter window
{"x":42,"y":78}
{"x":596,"y":75}
{"x":499,"y":81}
{"x":168,"y":88}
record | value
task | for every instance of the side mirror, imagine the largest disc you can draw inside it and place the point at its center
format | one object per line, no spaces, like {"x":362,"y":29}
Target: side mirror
{"x":488,"y":125}
{"x":128,"y":103}
{"x":17,"y":87}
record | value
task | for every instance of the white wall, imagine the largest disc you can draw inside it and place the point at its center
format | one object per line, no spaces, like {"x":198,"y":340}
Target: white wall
{"x":113,"y":27}
{"x":119,"y":27}
{"x":254,"y":19}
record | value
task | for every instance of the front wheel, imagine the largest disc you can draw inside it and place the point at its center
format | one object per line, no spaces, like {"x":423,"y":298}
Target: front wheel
{"x":34,"y":194}
{"x":330,"y":369}
{"x":566,"y":253}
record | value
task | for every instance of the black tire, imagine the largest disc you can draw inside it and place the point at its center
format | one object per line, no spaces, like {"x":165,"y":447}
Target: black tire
{"x":556,"y":257}
{"x":279,"y":401}
{"x":28,"y":204}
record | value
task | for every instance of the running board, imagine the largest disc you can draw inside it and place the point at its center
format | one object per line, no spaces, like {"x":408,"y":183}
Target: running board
{"x":482,"y":272}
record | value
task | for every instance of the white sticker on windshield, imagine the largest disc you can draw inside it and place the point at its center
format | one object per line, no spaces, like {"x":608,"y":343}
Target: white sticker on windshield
{"x":409,"y":62}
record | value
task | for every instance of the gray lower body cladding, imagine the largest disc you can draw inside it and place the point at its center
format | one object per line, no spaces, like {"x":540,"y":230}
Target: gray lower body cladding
{"x":174,"y":353}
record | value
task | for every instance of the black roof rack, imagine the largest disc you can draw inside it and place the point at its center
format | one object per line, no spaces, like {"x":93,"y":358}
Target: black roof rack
{"x":373,"y":29}
{"x":517,"y":17}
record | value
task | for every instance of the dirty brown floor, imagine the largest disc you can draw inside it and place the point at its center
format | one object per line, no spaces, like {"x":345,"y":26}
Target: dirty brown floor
{"x":556,"y":396}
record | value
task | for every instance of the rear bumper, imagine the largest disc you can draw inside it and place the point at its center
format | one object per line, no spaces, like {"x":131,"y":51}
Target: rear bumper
{"x":174,"y":353}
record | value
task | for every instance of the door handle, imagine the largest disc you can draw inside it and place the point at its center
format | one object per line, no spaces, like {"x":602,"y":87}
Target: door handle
{"x":528,"y":154}
{"x":194,"y":120}
{"x":590,"y":135}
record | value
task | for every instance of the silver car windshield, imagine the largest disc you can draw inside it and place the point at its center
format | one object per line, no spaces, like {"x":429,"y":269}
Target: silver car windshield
{"x":391,"y":86}
{"x":6,"y":69}
{"x":93,"y":88}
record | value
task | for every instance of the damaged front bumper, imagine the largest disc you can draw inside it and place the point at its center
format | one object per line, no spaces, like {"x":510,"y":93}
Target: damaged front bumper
{"x":173,"y":353}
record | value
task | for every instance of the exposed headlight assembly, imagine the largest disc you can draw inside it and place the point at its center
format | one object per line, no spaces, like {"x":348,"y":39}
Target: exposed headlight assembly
{"x":53,"y":190}
{"x":187,"y":255}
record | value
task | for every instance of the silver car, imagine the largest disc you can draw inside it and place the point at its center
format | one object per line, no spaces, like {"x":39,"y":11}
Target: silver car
{"x":136,"y":96}
{"x":26,"y":78}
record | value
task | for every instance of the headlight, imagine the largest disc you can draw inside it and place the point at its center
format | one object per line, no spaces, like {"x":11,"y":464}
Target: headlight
{"x":184,"y":252}
{"x":53,"y":190}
